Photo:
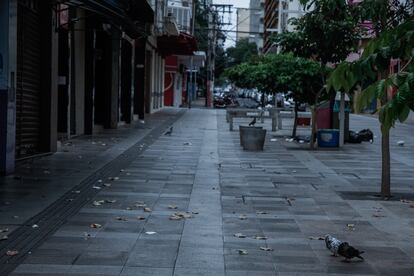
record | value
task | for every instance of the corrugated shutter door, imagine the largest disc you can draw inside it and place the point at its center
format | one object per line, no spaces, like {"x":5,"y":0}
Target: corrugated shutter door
{"x":28,"y":78}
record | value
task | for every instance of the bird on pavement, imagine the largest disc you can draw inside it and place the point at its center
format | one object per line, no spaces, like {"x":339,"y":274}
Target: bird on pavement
{"x":252,"y":123}
{"x":343,"y":249}
{"x":169,"y":132}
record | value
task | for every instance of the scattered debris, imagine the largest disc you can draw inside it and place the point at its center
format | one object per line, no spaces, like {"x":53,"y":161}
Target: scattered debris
{"x":260,"y":237}
{"x":289,"y":200}
{"x":148,"y":210}
{"x":273,"y":140}
{"x":128,"y":208}
{"x":98,"y":202}
{"x":261,"y":212}
{"x":4,"y":230}
{"x":121,"y":170}
{"x":3,"y":238}
{"x":121,"y":219}
{"x":351,"y":226}
{"x":150,"y":233}
{"x":114,"y":178}
{"x":377,"y":215}
{"x":76,"y":192}
{"x":240,"y":235}
{"x":86,"y":235}
{"x":172,"y":207}
{"x":242,"y":251}
{"x":12,"y":253}
{"x":70,"y":199}
{"x":317,"y":238}
{"x":401,"y":143}
{"x":96,"y":225}
{"x":34,"y":226}
{"x":242,"y":217}
{"x":194,"y":212}
{"x":107,"y":184}
{"x":110,"y":200}
{"x":100,"y":181}
{"x":140,"y":205}
{"x":96,"y":187}
{"x":266,"y":248}
{"x":187,"y":144}
{"x":140,"y":218}
{"x":406,"y":201}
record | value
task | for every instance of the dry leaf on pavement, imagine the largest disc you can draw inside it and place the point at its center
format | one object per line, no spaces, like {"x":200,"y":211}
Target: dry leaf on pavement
{"x":260,"y":237}
{"x":12,"y":252}
{"x":147,"y":210}
{"x":3,"y":238}
{"x":242,"y":217}
{"x":95,"y":225}
{"x":4,"y":230}
{"x":172,"y":207}
{"x":266,"y":248}
{"x":240,"y":235}
{"x":316,"y":238}
{"x":242,"y":251}
{"x":140,"y":218}
{"x":150,"y":233}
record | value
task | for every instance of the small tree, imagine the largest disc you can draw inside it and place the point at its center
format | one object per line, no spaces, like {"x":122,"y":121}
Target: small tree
{"x":327,"y":33}
{"x":396,"y":43}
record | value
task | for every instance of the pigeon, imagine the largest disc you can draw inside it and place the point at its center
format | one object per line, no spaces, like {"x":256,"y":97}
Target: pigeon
{"x":343,"y":249}
{"x":349,"y":252}
{"x":332,"y":244}
{"x":169,"y":132}
{"x":252,"y":123}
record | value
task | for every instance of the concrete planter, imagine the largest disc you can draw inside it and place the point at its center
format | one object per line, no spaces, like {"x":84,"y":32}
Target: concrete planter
{"x":252,"y":138}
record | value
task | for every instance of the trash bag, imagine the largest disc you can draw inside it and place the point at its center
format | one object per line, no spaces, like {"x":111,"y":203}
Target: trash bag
{"x":366,"y":135}
{"x":354,"y":137}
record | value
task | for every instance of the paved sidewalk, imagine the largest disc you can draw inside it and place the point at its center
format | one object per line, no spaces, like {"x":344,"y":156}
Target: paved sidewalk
{"x":278,"y":199}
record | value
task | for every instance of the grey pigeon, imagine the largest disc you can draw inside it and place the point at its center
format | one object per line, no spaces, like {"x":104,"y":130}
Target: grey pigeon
{"x":252,"y":123}
{"x":343,"y":249}
{"x":169,"y":132}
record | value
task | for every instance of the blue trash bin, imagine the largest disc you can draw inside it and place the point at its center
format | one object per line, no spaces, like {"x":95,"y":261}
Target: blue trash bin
{"x":328,"y":138}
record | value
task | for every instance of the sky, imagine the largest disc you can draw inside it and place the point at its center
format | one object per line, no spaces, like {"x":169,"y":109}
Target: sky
{"x":236,"y":4}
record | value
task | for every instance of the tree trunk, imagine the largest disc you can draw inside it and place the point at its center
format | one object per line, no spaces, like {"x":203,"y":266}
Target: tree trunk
{"x":295,"y":123}
{"x":314,"y":112}
{"x":386,"y":165}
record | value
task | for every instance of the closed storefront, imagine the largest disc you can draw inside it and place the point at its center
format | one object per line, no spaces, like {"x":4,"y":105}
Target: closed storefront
{"x":28,"y":86}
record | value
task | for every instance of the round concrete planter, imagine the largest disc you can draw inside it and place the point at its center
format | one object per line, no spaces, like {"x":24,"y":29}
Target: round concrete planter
{"x":252,"y":138}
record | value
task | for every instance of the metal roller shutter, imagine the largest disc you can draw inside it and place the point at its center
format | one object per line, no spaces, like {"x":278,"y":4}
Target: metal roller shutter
{"x":28,"y":78}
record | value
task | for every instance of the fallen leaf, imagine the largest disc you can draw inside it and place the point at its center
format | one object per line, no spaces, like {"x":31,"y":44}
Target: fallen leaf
{"x":122,"y":170}
{"x":266,"y":248}
{"x":351,"y":226}
{"x":70,"y":199}
{"x":98,"y":202}
{"x":242,"y":217}
{"x":12,"y":252}
{"x":140,"y":218}
{"x":187,"y":144}
{"x":128,"y":208}
{"x":107,"y":185}
{"x":96,"y":187}
{"x":172,"y":207}
{"x":121,"y":219}
{"x":185,"y":215}
{"x":242,"y":251}
{"x":260,"y":237}
{"x":110,"y":200}
{"x":174,"y":217}
{"x":406,"y":201}
{"x":378,"y":216}
{"x":140,"y":205}
{"x":194,"y":212}
{"x":150,"y":233}
{"x":3,"y":238}
{"x":86,"y":235}
{"x":4,"y":230}
{"x":261,"y":212}
{"x":273,"y":140}
{"x":35,"y":226}
{"x":316,"y":238}
{"x":96,"y":225}
{"x":76,"y":192}
{"x":147,"y":210}
{"x":100,"y":181}
{"x":239,"y":235}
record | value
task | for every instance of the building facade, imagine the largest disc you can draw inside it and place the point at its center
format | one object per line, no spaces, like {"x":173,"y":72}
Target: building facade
{"x":257,"y":22}
{"x":70,"y":68}
{"x":276,"y":19}
{"x":243,"y":24}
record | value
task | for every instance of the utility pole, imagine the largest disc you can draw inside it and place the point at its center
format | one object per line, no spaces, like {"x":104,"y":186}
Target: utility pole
{"x":191,"y":91}
{"x":216,"y":18}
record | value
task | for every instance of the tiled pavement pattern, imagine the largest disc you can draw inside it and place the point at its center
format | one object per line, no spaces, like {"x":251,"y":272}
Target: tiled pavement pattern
{"x":286,"y":192}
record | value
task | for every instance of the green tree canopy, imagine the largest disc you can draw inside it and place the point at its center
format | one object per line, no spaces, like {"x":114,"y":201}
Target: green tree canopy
{"x":242,"y":52}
